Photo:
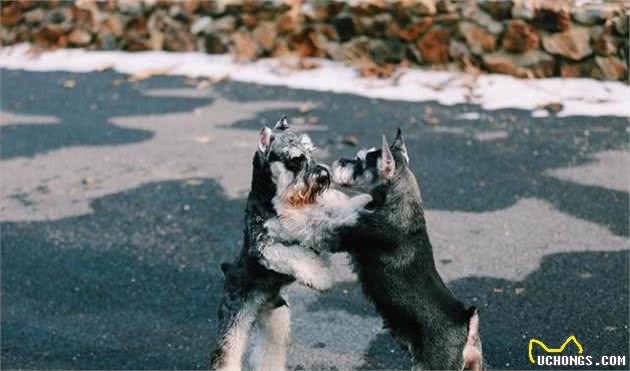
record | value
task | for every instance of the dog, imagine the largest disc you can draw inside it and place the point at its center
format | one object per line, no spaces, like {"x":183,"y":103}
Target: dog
{"x":290,"y":221}
{"x":392,"y":255}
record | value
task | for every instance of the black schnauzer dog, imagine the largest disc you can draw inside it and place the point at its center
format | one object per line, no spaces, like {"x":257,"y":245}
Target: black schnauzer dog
{"x":393,"y":258}
{"x":290,"y":220}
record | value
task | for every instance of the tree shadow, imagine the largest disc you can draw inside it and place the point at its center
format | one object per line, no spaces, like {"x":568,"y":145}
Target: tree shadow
{"x":472,"y":165}
{"x":585,"y":294}
{"x":84,"y":111}
{"x":133,"y":285}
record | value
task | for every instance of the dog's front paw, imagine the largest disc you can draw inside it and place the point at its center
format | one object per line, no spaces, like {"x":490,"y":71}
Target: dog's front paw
{"x":315,"y":277}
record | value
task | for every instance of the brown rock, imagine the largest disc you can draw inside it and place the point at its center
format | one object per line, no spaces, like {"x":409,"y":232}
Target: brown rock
{"x":249,"y":20}
{"x":244,"y":46}
{"x":533,"y":63}
{"x":572,"y":44}
{"x":602,"y":42}
{"x":471,"y":11}
{"x":611,"y":68}
{"x":285,"y":24}
{"x":265,"y":35}
{"x":306,"y":44}
{"x":520,"y":36}
{"x":327,"y":31}
{"x":411,"y":32}
{"x":434,"y":45}
{"x":477,"y":38}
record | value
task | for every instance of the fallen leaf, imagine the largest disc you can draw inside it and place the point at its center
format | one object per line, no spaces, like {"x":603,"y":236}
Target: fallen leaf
{"x":148,"y":72}
{"x":313,"y":120}
{"x":305,"y":107}
{"x":519,"y":290}
{"x":351,"y":140}
{"x":69,"y":84}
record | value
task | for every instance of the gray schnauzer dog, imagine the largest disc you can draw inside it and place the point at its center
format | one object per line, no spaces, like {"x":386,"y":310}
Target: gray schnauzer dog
{"x":393,"y":258}
{"x":290,"y":222}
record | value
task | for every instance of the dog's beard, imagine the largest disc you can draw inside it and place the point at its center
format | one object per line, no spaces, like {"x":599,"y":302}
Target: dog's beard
{"x":304,"y":193}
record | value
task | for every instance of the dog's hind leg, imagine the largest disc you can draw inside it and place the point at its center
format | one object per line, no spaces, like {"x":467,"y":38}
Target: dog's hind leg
{"x":235,"y":322}
{"x":271,"y":339}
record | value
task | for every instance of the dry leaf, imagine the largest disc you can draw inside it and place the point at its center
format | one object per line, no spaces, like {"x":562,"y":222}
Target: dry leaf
{"x":69,"y":84}
{"x":148,"y":72}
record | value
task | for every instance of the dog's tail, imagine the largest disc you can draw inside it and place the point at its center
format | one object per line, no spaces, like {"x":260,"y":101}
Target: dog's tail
{"x":473,"y":358}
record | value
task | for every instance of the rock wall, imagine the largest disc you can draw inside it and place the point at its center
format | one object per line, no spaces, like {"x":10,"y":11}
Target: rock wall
{"x":524,"y":38}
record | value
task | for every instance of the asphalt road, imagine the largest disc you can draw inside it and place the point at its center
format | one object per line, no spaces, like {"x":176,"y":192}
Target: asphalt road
{"x":120,"y":200}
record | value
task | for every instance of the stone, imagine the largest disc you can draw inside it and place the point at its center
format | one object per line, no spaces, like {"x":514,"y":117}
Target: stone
{"x":327,"y":31}
{"x":611,"y":68}
{"x":391,"y":51}
{"x":478,"y":40}
{"x":421,"y":7}
{"x":445,"y":6}
{"x":524,"y":9}
{"x":200,"y":25}
{"x":244,"y":46}
{"x":603,"y":44}
{"x":533,"y":63}
{"x":499,"y":10}
{"x":472,"y":12}
{"x":225,"y":24}
{"x":411,"y":32}
{"x":572,"y":44}
{"x":621,"y":23}
{"x":552,"y":15}
{"x":592,"y":14}
{"x":34,"y":16}
{"x":346,"y":26}
{"x":434,"y":45}
{"x":214,"y":44}
{"x":576,"y":69}
{"x":413,"y":54}
{"x":265,"y":35}
{"x":306,"y":43}
{"x":285,"y":24}
{"x":79,"y":37}
{"x":520,"y":36}
{"x":458,"y":50}
{"x":107,"y":40}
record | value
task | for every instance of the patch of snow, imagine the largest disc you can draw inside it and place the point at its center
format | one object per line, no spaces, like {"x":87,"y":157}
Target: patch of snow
{"x":587,"y":97}
{"x":468,"y":116}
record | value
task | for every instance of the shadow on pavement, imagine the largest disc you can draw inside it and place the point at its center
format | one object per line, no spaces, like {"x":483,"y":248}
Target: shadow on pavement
{"x":83,"y":111}
{"x":548,"y":305}
{"x":133,"y":285}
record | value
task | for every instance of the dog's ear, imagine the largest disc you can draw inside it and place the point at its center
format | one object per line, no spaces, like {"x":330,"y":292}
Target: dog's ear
{"x":399,"y":147}
{"x":264,"y":140}
{"x":388,"y":165}
{"x":282,"y":124}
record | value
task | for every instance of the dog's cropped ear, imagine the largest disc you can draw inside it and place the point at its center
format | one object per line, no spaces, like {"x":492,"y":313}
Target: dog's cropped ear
{"x":388,"y":165}
{"x":399,"y":146}
{"x":282,"y":124}
{"x":264,"y":140}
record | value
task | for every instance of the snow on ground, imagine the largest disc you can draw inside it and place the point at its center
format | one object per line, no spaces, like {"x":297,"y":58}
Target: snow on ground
{"x":578,"y":96}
